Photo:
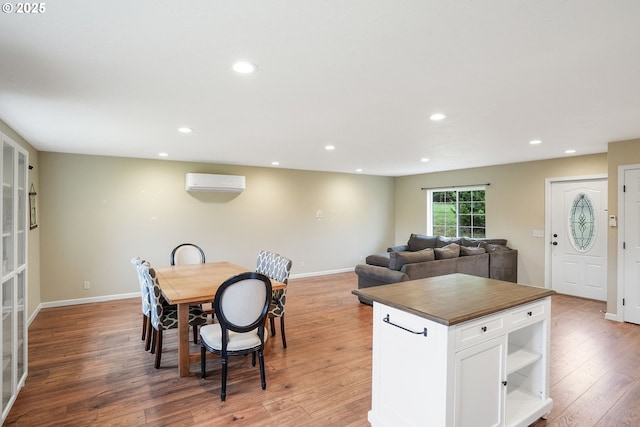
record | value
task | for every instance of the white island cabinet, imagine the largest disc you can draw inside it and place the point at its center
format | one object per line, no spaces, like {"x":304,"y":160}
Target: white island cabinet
{"x":459,"y":351}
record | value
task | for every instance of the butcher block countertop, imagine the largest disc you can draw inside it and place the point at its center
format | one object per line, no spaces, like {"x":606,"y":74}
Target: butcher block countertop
{"x":454,"y":298}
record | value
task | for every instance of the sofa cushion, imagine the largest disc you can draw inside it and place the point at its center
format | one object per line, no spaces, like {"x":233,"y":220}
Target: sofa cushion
{"x":381,"y":260}
{"x":418,"y":242}
{"x":444,"y":241}
{"x":481,"y":243}
{"x":491,"y":248}
{"x":468,"y":251}
{"x":398,"y":259}
{"x":452,"y":250}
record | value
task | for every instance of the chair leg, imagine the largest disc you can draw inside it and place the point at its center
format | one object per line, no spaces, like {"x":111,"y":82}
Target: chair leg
{"x":272,"y":325}
{"x":150,"y":333}
{"x":223,"y":390}
{"x":195,"y":334}
{"x":158,"y":349}
{"x":284,"y":340}
{"x":253,"y":359}
{"x":203,"y":362}
{"x":144,"y":326}
{"x":263,"y":378}
{"x":152,"y":342}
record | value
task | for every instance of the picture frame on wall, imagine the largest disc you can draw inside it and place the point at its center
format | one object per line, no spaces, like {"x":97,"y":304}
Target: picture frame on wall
{"x":33,"y":219}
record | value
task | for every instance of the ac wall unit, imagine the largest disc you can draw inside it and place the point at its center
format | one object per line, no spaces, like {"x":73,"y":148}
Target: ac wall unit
{"x":211,"y":182}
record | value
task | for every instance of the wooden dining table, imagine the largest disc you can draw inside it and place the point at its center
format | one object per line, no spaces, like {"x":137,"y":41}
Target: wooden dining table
{"x":184,"y":285}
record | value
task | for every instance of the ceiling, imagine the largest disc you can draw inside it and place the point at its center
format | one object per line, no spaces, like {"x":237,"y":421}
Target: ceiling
{"x":118,"y":77}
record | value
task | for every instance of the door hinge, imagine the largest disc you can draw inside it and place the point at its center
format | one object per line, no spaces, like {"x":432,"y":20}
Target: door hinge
{"x":624,"y":245}
{"x":622,"y":301}
{"x":624,"y":188}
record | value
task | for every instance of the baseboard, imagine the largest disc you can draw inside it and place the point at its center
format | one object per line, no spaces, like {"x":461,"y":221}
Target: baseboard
{"x":614,"y":317}
{"x":104,"y":298}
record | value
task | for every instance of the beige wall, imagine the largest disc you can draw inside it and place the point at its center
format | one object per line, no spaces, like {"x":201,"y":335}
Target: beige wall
{"x":620,"y":153}
{"x":515,"y":203}
{"x":33,"y":272}
{"x":99,"y":212}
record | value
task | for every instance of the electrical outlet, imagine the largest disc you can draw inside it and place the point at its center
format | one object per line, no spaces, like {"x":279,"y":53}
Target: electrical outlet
{"x":86,"y":285}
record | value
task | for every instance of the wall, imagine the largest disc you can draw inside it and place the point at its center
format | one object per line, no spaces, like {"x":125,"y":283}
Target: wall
{"x":515,"y":203}
{"x":33,"y":245}
{"x":99,"y":212}
{"x":620,"y":153}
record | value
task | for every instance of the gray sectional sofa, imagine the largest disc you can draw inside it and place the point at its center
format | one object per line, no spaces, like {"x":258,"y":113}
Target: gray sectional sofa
{"x":429,"y":256}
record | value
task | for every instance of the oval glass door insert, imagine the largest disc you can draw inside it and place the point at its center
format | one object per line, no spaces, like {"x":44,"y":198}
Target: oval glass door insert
{"x":582,"y":223}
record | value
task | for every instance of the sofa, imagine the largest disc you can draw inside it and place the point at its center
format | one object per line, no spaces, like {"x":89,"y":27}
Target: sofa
{"x":429,"y":256}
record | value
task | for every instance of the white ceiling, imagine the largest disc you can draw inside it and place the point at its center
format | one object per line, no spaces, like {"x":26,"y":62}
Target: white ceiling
{"x":118,"y":78}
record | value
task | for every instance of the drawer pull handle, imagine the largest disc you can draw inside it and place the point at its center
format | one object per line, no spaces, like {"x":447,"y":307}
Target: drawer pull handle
{"x":484,"y":329}
{"x":387,"y":320}
{"x":529,"y":313}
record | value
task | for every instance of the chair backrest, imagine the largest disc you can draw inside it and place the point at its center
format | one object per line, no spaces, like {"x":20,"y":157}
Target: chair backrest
{"x":242,"y":301}
{"x":155,"y":294}
{"x":144,"y":291}
{"x":187,"y":253}
{"x":274,"y":266}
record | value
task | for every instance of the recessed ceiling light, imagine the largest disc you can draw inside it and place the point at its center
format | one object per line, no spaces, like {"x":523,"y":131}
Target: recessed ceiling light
{"x":185,"y":129}
{"x":329,"y":147}
{"x":535,"y":141}
{"x":275,"y":163}
{"x":437,"y":117}
{"x":359,"y":170}
{"x":424,"y":159}
{"x":244,"y":67}
{"x":571,"y":151}
{"x":163,"y":154}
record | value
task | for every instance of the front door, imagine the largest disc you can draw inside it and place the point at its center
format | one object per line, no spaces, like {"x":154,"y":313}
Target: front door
{"x":579,"y":238}
{"x":631,"y":251}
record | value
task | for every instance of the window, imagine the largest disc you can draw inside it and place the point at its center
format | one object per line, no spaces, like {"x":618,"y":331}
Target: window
{"x":456,"y":212}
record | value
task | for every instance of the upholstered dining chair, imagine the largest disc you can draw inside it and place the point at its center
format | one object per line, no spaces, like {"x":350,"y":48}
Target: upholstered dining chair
{"x":146,"y":301}
{"x":241,"y":304}
{"x":276,"y":267}
{"x":165,"y":316}
{"x":187,"y":253}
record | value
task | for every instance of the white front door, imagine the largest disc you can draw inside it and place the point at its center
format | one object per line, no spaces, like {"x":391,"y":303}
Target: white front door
{"x":631,"y":251}
{"x":579,"y":238}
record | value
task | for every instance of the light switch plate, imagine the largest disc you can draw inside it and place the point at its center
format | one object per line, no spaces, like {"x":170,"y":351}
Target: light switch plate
{"x":538,"y":233}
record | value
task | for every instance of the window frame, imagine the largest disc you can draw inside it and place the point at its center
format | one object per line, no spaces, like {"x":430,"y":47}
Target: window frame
{"x":457,"y":190}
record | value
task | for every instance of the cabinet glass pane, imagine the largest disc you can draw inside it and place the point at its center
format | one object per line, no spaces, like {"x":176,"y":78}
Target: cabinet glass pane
{"x":20,"y":325}
{"x":21,"y":220}
{"x":7,"y":208}
{"x":7,"y":341}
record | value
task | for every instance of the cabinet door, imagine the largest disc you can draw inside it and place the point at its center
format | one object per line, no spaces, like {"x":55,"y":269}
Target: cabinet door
{"x":479,"y":384}
{"x":409,"y":384}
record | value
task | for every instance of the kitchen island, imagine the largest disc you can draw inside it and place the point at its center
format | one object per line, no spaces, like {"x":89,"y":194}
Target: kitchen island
{"x":459,"y":350}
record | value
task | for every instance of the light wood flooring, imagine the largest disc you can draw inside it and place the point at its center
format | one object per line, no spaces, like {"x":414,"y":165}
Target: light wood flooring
{"x":88,"y":367}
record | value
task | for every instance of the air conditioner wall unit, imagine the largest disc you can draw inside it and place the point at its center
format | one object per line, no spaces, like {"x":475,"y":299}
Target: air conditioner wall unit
{"x":212,"y":182}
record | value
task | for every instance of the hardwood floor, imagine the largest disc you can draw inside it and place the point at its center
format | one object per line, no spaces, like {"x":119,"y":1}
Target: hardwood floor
{"x":88,"y":367}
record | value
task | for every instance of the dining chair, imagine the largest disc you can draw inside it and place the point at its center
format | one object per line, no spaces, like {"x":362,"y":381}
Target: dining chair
{"x":241,"y":304}
{"x":165,"y":316}
{"x":187,"y":253}
{"x":276,"y":267}
{"x":146,"y":301}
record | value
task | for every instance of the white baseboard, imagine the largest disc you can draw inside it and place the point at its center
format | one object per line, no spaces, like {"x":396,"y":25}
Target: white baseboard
{"x":63,"y":303}
{"x":611,"y":316}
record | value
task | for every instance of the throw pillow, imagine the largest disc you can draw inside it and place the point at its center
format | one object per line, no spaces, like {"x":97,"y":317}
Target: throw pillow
{"x":452,"y":250}
{"x":467,"y":251}
{"x":398,"y":259}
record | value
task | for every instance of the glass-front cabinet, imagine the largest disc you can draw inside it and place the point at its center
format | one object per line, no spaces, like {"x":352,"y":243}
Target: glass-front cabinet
{"x":13,"y":323}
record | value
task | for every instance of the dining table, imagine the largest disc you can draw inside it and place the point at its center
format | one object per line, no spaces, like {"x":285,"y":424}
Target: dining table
{"x":187,"y":284}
